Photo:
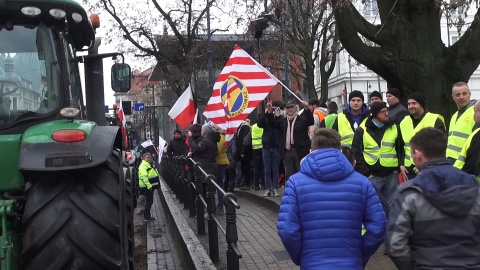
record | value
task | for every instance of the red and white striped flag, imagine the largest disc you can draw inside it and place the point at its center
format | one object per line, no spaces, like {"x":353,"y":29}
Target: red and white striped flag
{"x":123,"y":122}
{"x":241,"y":86}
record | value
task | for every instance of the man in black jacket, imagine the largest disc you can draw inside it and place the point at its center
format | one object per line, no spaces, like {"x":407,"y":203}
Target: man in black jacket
{"x":177,"y":145}
{"x":272,"y":123}
{"x":295,"y":143}
{"x":434,"y":222}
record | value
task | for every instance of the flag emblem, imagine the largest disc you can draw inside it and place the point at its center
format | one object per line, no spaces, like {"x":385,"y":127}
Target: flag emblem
{"x":234,"y":96}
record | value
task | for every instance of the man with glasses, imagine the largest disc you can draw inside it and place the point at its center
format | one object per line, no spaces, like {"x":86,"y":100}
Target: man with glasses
{"x":377,"y":147}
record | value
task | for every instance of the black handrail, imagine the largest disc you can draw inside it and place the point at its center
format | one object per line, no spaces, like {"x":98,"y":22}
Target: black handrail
{"x":184,"y":176}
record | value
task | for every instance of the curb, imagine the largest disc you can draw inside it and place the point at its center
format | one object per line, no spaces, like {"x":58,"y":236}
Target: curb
{"x":192,"y":252}
{"x":262,"y":201}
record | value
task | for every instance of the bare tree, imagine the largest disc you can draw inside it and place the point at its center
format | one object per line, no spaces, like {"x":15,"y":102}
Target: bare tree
{"x":408,"y":51}
{"x":137,"y":29}
{"x":309,"y":31}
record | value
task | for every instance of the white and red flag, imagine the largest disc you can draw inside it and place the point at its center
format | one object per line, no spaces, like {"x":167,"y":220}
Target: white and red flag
{"x":241,"y":86}
{"x":183,"y":111}
{"x":123,"y":122}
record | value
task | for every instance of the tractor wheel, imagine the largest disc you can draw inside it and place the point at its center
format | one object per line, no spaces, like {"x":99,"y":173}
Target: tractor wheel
{"x":129,"y":198}
{"x":77,"y":219}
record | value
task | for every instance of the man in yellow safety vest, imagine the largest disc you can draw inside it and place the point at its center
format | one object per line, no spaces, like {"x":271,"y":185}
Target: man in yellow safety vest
{"x":462,"y":122}
{"x":468,"y":160}
{"x":147,"y":181}
{"x":418,"y":119}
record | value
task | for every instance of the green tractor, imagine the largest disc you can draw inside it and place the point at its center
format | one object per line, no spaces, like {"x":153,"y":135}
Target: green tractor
{"x":64,"y":201}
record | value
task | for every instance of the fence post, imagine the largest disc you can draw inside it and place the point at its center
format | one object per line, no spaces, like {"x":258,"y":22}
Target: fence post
{"x":233,"y":255}
{"x":212,"y":225}
{"x":190,"y":187}
{"x":198,"y":201}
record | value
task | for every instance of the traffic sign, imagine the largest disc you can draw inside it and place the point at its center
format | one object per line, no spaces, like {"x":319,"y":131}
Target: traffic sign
{"x":139,"y":107}
{"x":106,"y":109}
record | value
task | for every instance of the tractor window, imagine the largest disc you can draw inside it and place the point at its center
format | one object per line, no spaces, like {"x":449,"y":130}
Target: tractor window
{"x":29,"y":74}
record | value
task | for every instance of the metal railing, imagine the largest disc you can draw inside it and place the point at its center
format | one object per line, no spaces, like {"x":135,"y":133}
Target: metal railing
{"x":185,"y":177}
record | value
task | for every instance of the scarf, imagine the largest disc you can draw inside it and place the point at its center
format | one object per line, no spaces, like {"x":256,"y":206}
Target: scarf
{"x":290,"y":124}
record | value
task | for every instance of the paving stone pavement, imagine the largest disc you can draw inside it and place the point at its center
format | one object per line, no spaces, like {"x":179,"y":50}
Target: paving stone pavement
{"x":259,"y":242}
{"x":161,"y":250}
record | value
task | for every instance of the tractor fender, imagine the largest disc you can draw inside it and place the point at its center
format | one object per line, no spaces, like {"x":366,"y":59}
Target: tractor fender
{"x":60,"y":156}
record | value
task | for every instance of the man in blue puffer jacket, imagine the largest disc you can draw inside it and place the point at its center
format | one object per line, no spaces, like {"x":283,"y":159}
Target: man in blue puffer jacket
{"x":323,"y":209}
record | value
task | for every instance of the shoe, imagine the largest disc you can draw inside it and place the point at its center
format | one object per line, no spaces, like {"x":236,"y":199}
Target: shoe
{"x":267,"y":194}
{"x":275,"y":193}
{"x":148,"y":220}
{"x":257,"y":188}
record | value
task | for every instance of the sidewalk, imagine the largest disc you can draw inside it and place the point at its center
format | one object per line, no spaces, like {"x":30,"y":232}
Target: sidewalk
{"x":377,"y":262}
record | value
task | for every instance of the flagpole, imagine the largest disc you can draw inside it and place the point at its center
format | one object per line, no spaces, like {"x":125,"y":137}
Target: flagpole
{"x":280,"y":82}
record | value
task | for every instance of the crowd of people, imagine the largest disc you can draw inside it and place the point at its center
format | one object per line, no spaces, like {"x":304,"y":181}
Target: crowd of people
{"x":375,"y":174}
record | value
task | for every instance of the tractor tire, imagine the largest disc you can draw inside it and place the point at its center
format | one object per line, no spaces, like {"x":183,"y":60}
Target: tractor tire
{"x":77,"y":219}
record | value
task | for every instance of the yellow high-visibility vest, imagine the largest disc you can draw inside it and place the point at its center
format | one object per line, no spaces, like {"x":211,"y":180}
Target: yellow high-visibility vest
{"x":387,"y":154}
{"x":463,"y":154}
{"x":345,"y":129}
{"x":459,"y":131}
{"x":145,"y":173}
{"x":406,"y":127}
{"x":257,"y":133}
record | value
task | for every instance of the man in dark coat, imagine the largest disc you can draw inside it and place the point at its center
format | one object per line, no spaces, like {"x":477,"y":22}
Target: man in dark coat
{"x":295,"y":143}
{"x":435,"y":217}
{"x":177,"y":146}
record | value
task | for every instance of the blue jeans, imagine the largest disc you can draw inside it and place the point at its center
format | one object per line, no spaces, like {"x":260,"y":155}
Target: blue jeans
{"x":148,"y":202}
{"x":219,"y":180}
{"x":238,"y":173}
{"x":386,"y":185}
{"x":271,"y":163}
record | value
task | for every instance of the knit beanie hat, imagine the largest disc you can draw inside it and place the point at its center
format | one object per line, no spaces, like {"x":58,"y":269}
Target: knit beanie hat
{"x":376,"y":94}
{"x":394,"y":92}
{"x":208,"y":129}
{"x":195,"y":128}
{"x":420,"y":98}
{"x":376,"y":107}
{"x":356,"y":93}
{"x":177,"y":131}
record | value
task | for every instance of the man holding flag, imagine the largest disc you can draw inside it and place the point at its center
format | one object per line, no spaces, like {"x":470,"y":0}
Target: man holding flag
{"x":241,"y":86}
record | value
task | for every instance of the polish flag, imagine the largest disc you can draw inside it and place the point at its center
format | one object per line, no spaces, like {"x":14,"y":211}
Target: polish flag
{"x":183,"y":111}
{"x":123,"y":122}
{"x":240,"y":87}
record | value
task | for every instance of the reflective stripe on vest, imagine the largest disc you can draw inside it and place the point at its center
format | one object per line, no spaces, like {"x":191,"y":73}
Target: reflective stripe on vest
{"x":459,"y":131}
{"x":257,"y":133}
{"x":463,"y":154}
{"x":406,"y":126}
{"x":330,"y":120}
{"x":345,"y":129}
{"x":386,"y":153}
{"x":144,"y":174}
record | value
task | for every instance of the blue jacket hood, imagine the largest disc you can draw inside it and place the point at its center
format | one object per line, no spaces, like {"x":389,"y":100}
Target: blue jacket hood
{"x":365,"y":109}
{"x":326,"y":165}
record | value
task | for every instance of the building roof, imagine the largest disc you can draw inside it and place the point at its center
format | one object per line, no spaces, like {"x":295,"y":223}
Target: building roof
{"x":139,"y":80}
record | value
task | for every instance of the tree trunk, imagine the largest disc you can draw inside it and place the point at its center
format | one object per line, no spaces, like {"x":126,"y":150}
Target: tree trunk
{"x":310,"y":74}
{"x":407,"y":49}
